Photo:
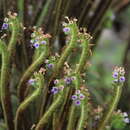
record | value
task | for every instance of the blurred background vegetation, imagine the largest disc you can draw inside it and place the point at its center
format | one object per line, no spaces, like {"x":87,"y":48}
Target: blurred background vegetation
{"x":108,"y":21}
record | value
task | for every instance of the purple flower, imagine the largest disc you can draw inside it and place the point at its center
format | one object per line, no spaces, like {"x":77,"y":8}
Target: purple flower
{"x":54,"y":90}
{"x":50,"y":66}
{"x":66,"y":29}
{"x":74,"y":97}
{"x":115,"y":75}
{"x":31,"y":81}
{"x":126,"y":120}
{"x":81,"y":96}
{"x":122,"y":79}
{"x":5,"y":26}
{"x":68,"y":80}
{"x":43,"y":42}
{"x":77,"y":102}
{"x":36,"y":45}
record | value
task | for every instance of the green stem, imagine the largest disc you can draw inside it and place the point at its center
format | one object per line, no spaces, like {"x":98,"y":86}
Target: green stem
{"x":43,"y":13}
{"x":83,"y":57}
{"x":14,"y":36}
{"x":112,"y":107}
{"x":4,"y":87}
{"x":72,"y":118}
{"x":21,"y":10}
{"x":22,"y":84}
{"x":77,"y":82}
{"x":57,"y":16}
{"x":71,"y":121}
{"x":27,"y":102}
{"x":49,"y":112}
{"x":83,"y":117}
{"x":68,"y":50}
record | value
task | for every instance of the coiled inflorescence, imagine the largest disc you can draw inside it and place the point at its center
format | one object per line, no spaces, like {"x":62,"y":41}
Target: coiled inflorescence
{"x":118,"y":75}
{"x":38,"y":38}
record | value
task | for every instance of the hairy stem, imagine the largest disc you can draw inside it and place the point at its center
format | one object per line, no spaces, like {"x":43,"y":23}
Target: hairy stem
{"x":71,"y":121}
{"x":112,"y":107}
{"x":22,"y":84}
{"x":83,"y":117}
{"x":27,"y":102}
{"x":4,"y":87}
{"x":83,"y":57}
{"x":44,"y":119}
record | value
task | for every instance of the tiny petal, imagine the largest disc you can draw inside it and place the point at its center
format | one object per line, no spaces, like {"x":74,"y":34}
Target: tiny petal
{"x":77,"y":92}
{"x":122,"y":79}
{"x":73,"y":78}
{"x":31,"y":81}
{"x":125,"y":114}
{"x":61,"y":87}
{"x":68,"y":80}
{"x":66,"y":29}
{"x":36,"y":45}
{"x":54,"y":90}
{"x":74,"y":97}
{"x":31,"y":41}
{"x":115,"y":75}
{"x":46,"y":61}
{"x":126,"y":120}
{"x":43,"y":42}
{"x":77,"y":102}
{"x":81,"y":96}
{"x":115,"y":80}
{"x":5,"y":26}
{"x":50,"y":66}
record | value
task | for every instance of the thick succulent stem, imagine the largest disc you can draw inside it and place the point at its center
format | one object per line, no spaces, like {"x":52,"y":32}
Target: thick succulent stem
{"x":71,"y":121}
{"x":28,"y":101}
{"x":7,"y":52}
{"x":44,"y":119}
{"x":83,"y":117}
{"x":83,"y":57}
{"x":77,"y":82}
{"x":22,"y":84}
{"x":4,"y":87}
{"x":112,"y":107}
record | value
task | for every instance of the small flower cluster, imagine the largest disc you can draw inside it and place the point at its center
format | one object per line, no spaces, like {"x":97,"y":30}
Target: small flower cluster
{"x":67,"y":28}
{"x":122,"y":115}
{"x":118,"y":75}
{"x":68,"y":80}
{"x":50,"y":63}
{"x":58,"y":86}
{"x":39,"y":38}
{"x":6,"y":23}
{"x":77,"y":97}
